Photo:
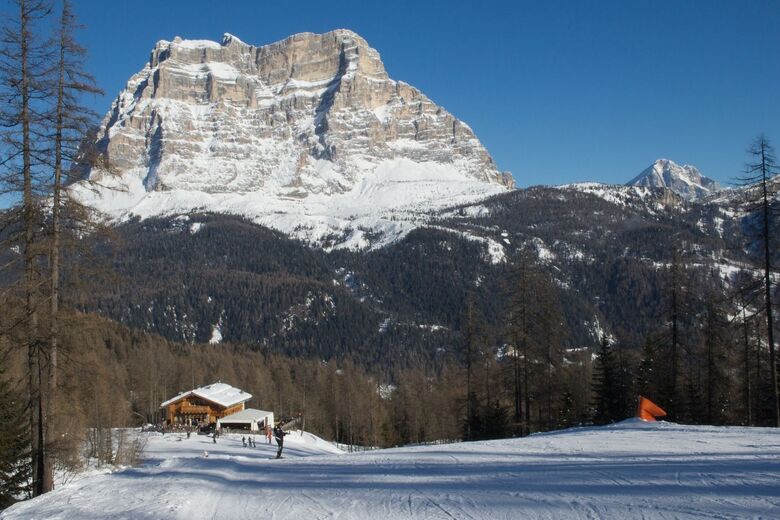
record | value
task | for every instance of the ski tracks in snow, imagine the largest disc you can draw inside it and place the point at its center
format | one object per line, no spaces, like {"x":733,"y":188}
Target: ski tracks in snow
{"x":627,"y":471}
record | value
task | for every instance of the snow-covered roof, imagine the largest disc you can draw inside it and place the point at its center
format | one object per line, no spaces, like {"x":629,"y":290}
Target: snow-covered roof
{"x":218,"y":393}
{"x":246,"y":416}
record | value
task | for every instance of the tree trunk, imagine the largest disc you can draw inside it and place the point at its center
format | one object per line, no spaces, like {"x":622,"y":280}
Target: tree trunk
{"x":54,"y":253}
{"x":525,"y":390}
{"x":35,"y":361}
{"x":518,"y":393}
{"x":748,"y":397}
{"x":768,"y":287}
{"x":675,"y":336}
{"x":469,"y":345}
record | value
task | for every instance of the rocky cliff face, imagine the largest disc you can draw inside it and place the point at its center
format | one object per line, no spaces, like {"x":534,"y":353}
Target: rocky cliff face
{"x":308,"y":135}
{"x":314,"y":113}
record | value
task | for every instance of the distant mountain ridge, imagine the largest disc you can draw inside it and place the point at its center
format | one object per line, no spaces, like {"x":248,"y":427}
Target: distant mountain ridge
{"x":686,"y":181}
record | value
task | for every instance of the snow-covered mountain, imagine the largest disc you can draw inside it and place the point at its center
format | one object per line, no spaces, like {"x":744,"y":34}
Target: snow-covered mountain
{"x":650,"y":199}
{"x":686,"y":181}
{"x":308,"y":135}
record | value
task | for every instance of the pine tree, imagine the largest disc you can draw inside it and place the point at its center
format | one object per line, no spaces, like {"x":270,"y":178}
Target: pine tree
{"x":25,"y":66}
{"x":762,"y":201}
{"x":70,"y":121}
{"x":608,"y":401}
{"x":717,"y":388}
{"x":535,"y":328}
{"x":567,"y":415}
{"x":519,"y":326}
{"x":44,"y":125}
{"x":675,"y":292}
{"x":472,"y":422}
{"x":549,"y":325}
{"x":14,"y":446}
{"x":495,"y":424}
{"x":747,"y":357}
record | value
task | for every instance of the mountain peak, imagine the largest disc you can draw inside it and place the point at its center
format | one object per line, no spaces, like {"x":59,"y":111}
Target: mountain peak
{"x":207,"y":123}
{"x":228,"y":39}
{"x":686,"y":181}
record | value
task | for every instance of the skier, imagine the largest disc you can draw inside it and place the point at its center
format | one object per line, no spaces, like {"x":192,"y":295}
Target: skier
{"x":243,"y":440}
{"x":279,"y":433}
{"x":268,"y":434}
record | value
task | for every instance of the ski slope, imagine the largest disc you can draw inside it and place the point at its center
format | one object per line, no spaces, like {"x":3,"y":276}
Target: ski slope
{"x":629,"y":470}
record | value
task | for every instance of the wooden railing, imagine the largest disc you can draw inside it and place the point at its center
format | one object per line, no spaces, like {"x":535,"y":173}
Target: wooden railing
{"x":194,"y":409}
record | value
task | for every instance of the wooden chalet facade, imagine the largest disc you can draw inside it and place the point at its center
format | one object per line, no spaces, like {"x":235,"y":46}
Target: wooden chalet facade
{"x":204,"y":406}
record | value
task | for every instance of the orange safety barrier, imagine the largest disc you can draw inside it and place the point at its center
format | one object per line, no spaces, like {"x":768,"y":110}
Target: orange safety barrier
{"x":648,"y":410}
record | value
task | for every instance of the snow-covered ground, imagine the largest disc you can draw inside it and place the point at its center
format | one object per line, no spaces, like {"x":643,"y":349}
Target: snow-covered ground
{"x":629,"y":470}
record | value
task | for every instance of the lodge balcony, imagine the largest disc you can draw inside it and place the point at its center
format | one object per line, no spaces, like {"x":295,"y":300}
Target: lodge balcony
{"x":191,"y":409}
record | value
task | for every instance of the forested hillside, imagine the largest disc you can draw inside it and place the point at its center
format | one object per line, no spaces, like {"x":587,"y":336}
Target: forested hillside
{"x":585,"y":271}
{"x":184,"y":277}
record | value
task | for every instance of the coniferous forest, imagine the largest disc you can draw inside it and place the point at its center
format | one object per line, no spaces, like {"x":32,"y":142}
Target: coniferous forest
{"x":428,"y":339}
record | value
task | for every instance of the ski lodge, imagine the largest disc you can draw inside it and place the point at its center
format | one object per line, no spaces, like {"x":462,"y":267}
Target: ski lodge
{"x":205,"y":405}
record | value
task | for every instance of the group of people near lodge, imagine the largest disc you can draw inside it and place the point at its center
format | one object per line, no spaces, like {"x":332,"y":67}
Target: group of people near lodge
{"x":276,"y":432}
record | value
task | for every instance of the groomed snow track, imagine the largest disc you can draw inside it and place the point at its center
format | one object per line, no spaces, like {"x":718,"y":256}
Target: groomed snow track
{"x":629,"y":470}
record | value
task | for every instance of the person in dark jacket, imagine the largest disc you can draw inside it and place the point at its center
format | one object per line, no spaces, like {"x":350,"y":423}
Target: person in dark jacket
{"x":279,"y":433}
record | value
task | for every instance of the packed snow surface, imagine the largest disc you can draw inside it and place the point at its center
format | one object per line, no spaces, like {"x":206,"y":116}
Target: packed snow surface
{"x":629,"y":470}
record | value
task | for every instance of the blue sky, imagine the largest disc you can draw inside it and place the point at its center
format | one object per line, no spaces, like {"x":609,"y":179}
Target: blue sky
{"x":557,"y":91}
